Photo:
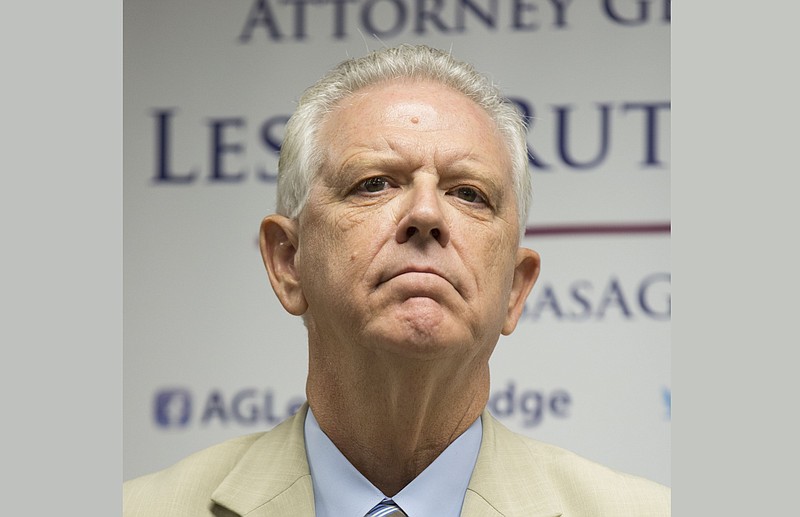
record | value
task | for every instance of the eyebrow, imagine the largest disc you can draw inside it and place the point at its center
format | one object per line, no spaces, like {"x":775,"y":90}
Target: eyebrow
{"x":382,"y":162}
{"x":368,"y":159}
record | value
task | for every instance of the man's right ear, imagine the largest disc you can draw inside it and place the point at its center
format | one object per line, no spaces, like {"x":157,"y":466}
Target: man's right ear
{"x":278,"y":242}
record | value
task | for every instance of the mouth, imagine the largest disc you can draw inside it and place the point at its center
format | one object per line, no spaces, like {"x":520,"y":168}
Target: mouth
{"x":424,"y":276}
{"x":411,"y":270}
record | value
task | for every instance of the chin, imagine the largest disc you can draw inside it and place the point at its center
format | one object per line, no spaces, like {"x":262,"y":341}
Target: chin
{"x":422,"y":348}
{"x":424,"y":335}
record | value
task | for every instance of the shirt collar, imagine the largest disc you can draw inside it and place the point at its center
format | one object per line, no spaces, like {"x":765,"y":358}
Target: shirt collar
{"x":340,"y":489}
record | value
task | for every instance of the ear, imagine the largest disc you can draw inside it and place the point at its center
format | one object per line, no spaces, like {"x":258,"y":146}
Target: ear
{"x":525,"y":274}
{"x":278,"y":241}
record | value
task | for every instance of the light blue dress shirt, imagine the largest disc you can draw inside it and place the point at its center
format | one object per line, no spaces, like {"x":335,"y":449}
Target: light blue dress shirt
{"x":342,"y":491}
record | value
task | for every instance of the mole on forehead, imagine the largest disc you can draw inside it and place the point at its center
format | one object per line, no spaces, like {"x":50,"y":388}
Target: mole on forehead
{"x":418,"y":113}
{"x":414,"y":103}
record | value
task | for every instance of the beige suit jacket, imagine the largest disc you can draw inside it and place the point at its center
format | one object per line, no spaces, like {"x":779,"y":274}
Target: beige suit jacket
{"x":267,"y":475}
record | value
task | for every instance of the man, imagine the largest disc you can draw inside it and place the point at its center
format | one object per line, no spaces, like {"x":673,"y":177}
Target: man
{"x":402,"y":196}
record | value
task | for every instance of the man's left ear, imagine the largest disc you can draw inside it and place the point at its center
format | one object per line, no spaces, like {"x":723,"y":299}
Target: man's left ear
{"x":525,"y":274}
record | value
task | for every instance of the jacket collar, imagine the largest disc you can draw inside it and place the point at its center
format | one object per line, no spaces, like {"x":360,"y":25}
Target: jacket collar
{"x":272,"y":478}
{"x":509,"y":478}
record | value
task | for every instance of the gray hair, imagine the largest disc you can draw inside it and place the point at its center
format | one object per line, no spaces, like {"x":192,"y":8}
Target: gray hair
{"x":301,"y":155}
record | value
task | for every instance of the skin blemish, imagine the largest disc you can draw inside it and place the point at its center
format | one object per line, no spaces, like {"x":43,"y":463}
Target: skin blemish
{"x":415,"y":120}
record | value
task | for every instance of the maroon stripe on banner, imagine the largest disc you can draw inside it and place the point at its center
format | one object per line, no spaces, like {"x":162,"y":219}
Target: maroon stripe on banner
{"x":598,"y":229}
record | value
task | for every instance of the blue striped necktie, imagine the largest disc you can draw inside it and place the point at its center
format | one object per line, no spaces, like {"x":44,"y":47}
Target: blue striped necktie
{"x":386,"y":508}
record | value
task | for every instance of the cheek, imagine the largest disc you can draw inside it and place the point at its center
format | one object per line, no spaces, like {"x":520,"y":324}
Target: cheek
{"x":336,"y":246}
{"x":347,"y":221}
{"x":492,"y":254}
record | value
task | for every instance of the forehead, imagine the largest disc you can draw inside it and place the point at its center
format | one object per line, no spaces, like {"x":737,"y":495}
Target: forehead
{"x":413,"y":116}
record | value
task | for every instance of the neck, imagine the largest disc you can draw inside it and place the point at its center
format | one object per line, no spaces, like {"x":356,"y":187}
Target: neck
{"x":397,"y":412}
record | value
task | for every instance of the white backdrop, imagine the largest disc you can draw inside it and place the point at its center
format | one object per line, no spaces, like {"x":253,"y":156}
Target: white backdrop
{"x":208,"y":351}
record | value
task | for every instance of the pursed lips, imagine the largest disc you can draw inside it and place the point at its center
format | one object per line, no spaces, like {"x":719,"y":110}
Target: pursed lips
{"x":418,"y":269}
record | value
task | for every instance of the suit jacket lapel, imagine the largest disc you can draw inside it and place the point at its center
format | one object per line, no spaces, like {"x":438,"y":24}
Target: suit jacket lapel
{"x":273,"y":477}
{"x":507,"y":480}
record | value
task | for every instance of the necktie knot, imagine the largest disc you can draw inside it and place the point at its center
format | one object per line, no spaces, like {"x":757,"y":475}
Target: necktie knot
{"x":386,"y":508}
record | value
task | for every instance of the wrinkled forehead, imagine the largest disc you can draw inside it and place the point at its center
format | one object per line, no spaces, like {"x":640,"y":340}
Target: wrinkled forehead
{"x":398,"y":97}
{"x":412,"y":108}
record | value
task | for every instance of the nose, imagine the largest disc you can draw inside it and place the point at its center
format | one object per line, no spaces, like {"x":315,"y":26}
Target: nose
{"x":422,"y":217}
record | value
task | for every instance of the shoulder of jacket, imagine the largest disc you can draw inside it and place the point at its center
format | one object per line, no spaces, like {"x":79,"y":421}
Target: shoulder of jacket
{"x":189,"y":481}
{"x":583,"y":485}
{"x":220,"y":454}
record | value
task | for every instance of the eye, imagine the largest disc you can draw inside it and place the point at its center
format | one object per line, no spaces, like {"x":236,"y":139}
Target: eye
{"x":468,"y":194}
{"x":375,"y":184}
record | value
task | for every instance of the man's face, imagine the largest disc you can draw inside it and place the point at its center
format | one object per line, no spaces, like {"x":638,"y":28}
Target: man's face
{"x":408,"y":240}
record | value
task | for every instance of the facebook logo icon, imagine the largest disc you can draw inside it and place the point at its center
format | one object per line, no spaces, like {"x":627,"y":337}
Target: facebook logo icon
{"x":173,"y":407}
